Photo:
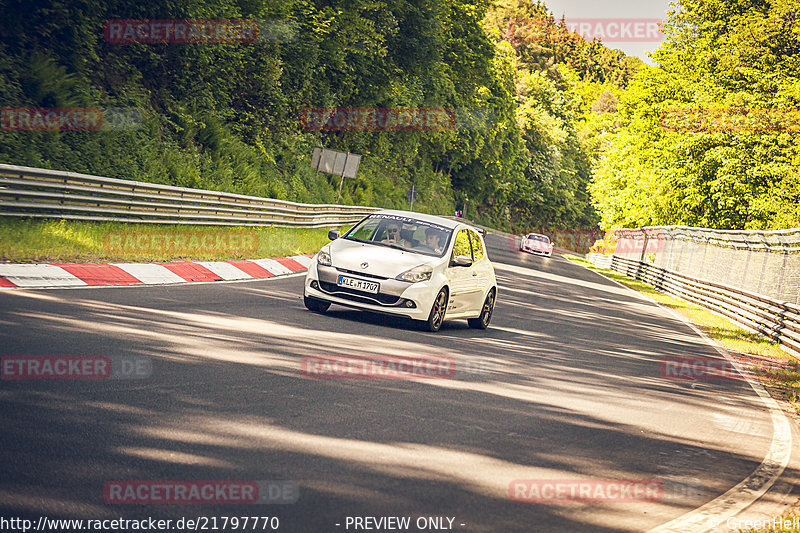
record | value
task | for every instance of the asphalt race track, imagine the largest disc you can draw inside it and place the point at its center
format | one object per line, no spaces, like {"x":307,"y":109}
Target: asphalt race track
{"x":566,"y":385}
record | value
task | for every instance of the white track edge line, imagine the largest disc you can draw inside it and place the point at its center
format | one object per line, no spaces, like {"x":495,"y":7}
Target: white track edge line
{"x":735,"y":500}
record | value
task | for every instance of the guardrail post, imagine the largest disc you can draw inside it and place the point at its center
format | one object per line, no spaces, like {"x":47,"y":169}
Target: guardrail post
{"x":780,"y":321}
{"x":669,"y":259}
{"x":638,"y":274}
{"x":743,"y":284}
{"x":778,"y":291}
{"x":763,"y":266}
{"x":704,"y":244}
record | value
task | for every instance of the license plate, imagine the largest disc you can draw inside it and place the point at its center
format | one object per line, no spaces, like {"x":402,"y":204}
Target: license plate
{"x":358,"y":284}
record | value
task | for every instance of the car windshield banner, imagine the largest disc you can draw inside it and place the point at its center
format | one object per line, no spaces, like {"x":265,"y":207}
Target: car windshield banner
{"x":409,"y":220}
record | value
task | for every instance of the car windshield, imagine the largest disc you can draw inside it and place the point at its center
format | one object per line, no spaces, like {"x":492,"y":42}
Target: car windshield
{"x":535,"y":237}
{"x":401,"y":232}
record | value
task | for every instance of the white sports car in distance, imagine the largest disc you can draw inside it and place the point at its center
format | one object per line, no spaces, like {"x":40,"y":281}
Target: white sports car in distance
{"x":408,"y":264}
{"x":536,"y":244}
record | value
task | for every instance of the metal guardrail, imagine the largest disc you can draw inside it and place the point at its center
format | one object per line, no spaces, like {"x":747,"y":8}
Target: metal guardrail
{"x":600,"y":260}
{"x":751,"y":277}
{"x":34,"y":192}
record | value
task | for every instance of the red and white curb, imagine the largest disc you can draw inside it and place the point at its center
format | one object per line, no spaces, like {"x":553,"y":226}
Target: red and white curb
{"x":79,"y":275}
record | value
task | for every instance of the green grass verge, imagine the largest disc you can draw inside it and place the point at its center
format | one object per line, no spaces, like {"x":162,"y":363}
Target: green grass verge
{"x":67,"y":241}
{"x":739,"y":341}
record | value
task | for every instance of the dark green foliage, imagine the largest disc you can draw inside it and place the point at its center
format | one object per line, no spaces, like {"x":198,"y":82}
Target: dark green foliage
{"x":226,"y":116}
{"x":560,"y":80}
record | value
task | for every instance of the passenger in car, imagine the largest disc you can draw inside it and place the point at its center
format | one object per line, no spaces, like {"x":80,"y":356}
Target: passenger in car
{"x":432,"y":239}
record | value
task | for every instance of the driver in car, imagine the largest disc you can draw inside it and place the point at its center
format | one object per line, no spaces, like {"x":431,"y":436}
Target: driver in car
{"x":393,"y":235}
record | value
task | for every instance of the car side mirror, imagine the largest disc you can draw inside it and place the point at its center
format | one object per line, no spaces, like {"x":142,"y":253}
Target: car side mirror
{"x":461,"y":261}
{"x":333,"y":234}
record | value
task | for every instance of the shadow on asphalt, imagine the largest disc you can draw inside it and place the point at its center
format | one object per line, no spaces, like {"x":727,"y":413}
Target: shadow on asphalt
{"x":551,"y":380}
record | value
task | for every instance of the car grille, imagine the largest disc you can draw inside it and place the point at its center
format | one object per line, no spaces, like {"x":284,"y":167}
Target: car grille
{"x":364,"y":274}
{"x":358,"y":296}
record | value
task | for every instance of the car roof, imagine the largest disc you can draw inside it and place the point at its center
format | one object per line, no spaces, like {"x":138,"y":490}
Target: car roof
{"x":446,"y":222}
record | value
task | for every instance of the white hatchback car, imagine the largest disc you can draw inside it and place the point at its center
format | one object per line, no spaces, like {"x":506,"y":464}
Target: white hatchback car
{"x":408,"y":264}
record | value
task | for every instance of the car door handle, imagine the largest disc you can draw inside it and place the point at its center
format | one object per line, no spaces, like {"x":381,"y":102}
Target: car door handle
{"x":474,"y":274}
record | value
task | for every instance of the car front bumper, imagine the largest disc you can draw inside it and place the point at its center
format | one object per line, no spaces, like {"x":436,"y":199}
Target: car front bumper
{"x":536,"y":251}
{"x":412,"y":300}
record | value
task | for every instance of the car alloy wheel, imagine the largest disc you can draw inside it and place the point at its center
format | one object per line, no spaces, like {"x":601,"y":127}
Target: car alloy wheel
{"x":438,"y":310}
{"x":482,"y":322}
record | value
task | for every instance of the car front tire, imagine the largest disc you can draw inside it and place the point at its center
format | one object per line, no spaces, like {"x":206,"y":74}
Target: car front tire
{"x":318,"y":306}
{"x":438,"y":309}
{"x":482,"y":322}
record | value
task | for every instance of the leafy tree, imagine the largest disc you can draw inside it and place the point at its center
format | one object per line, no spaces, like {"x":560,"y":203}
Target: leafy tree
{"x":692,"y":148}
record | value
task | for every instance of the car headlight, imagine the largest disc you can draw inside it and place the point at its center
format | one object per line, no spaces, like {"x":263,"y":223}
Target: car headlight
{"x":416,"y":274}
{"x":324,"y":258}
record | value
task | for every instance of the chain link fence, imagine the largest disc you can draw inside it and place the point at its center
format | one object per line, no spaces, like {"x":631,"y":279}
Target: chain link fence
{"x":753,"y":277}
{"x":762,"y":262}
